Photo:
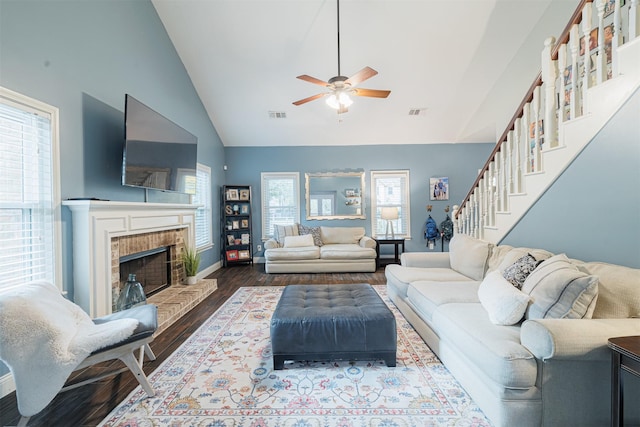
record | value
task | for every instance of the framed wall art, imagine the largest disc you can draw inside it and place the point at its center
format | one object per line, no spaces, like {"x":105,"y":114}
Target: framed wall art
{"x":439,"y":188}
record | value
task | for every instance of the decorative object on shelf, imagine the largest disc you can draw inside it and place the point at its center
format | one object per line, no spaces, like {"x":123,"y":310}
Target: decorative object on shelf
{"x":191,"y":262}
{"x":439,"y":188}
{"x":132,"y":295}
{"x":235,"y":225}
{"x":389,"y":214}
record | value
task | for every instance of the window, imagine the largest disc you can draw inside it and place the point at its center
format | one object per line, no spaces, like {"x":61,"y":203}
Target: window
{"x":390,"y":189}
{"x":280,"y":200}
{"x":204,"y":215}
{"x":29,"y":191}
{"x":322,"y":203}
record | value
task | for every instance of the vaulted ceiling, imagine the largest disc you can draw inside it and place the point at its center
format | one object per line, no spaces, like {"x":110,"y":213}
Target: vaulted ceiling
{"x":464,"y":65}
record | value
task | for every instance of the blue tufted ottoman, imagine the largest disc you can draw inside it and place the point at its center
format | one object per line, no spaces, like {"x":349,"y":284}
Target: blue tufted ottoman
{"x":332,"y":322}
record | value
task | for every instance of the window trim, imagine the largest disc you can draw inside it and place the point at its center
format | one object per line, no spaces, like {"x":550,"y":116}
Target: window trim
{"x":295,"y":176}
{"x":38,"y":107}
{"x":207,"y":208}
{"x":401,"y":173}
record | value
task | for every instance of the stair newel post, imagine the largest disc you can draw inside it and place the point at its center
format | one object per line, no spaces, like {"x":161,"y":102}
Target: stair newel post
{"x":586,"y":52}
{"x":455,"y":219}
{"x":634,"y":19}
{"x":601,"y":64}
{"x":549,"y":75}
{"x":517,"y":157}
{"x":574,"y":41}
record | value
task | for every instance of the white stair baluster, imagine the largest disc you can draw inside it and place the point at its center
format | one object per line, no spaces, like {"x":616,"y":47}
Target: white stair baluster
{"x":517,"y":156}
{"x":526,"y":140}
{"x":586,"y":51}
{"x":634,"y":19}
{"x":574,"y":41}
{"x":616,"y":41}
{"x":504,"y":190}
{"x":537,"y":132}
{"x":510,"y":178}
{"x":563,"y":98}
{"x":549,"y":75}
{"x":601,"y":61}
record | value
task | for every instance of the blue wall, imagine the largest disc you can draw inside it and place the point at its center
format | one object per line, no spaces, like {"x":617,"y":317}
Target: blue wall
{"x":82,"y":57}
{"x":459,"y":162}
{"x":593,"y":211}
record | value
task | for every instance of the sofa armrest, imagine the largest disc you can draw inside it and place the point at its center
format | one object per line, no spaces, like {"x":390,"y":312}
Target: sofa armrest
{"x":425,"y":259}
{"x":573,"y":339}
{"x":367,"y":242}
{"x":271,"y":244}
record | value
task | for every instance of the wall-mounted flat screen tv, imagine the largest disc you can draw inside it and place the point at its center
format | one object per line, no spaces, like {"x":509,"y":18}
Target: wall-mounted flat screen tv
{"x":157,"y":153}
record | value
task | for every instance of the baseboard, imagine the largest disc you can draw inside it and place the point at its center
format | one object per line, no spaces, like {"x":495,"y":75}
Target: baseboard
{"x":209,"y":270}
{"x":7,"y":385}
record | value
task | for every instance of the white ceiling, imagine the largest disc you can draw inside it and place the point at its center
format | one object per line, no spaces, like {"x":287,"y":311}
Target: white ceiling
{"x":467,"y":63}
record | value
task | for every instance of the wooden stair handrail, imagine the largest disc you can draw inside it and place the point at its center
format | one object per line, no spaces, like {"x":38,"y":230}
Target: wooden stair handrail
{"x":576,"y":18}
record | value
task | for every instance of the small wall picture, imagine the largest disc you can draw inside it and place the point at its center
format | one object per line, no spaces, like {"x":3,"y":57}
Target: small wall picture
{"x":439,"y":188}
{"x":231,"y":239}
{"x":236,"y":225}
{"x":232,"y":255}
{"x":232,"y":194}
{"x":245,"y":238}
{"x":244,"y":194}
{"x":244,"y":223}
{"x":243,"y":254}
{"x":244,"y":209}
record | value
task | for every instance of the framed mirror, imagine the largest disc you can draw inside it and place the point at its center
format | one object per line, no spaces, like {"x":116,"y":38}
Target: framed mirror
{"x":335,"y":195}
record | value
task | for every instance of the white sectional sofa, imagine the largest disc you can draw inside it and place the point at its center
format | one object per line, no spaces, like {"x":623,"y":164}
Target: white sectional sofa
{"x":535,"y":356}
{"x":301,"y":249}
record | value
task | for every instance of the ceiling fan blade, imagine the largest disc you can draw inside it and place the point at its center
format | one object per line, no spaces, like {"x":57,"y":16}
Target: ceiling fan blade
{"x":374,"y":93}
{"x":311,"y":98}
{"x":313,"y":80}
{"x":362,"y":75}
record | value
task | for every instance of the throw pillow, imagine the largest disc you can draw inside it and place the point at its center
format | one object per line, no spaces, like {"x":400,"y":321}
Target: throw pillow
{"x":504,"y":304}
{"x":517,"y":272}
{"x":298,"y":241}
{"x":469,"y":256}
{"x":560,"y":291}
{"x":313,"y":231}
{"x":282,"y":231}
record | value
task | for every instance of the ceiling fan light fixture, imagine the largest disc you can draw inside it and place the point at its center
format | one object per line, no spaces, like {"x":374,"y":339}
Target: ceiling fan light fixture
{"x":338,"y":100}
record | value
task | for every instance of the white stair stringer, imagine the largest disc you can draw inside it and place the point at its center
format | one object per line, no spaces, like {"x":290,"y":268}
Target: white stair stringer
{"x":603,"y":102}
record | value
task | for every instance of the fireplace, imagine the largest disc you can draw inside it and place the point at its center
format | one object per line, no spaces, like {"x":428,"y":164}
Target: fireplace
{"x":152,"y":269}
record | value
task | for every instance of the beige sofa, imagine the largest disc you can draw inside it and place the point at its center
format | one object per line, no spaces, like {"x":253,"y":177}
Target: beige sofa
{"x":301,"y":249}
{"x":535,"y":356}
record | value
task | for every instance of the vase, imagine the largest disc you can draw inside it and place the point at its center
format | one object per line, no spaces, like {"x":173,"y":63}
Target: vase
{"x":132,"y":295}
{"x":192,"y":280}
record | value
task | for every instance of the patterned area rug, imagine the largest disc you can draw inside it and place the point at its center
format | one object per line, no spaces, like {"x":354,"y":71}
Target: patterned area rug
{"x":222,"y":376}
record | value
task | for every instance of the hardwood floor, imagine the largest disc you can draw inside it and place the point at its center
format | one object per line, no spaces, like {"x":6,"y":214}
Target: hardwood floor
{"x":89,"y":404}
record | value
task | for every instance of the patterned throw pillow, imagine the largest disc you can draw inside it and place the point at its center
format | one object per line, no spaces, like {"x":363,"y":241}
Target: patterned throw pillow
{"x":517,"y":272}
{"x":314,"y":231}
{"x":282,"y":231}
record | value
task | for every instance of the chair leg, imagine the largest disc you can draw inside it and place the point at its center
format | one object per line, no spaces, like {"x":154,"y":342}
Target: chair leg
{"x":132,"y":363}
{"x":149,"y":352}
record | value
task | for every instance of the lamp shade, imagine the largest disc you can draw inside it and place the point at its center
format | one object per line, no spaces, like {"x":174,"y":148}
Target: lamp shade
{"x":389,"y":213}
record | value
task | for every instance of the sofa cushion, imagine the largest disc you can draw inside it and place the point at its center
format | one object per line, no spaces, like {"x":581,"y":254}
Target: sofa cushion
{"x":313,"y":231}
{"x":505,"y":304}
{"x":469,"y":256}
{"x":281,"y":231}
{"x":346,"y":251}
{"x":298,"y":241}
{"x":300,"y":253}
{"x":516,"y":253}
{"x":426,"y":296}
{"x":517,"y":272}
{"x":559,"y":290}
{"x":401,"y":276}
{"x":331,"y":235}
{"x":494,"y":349}
{"x":618,"y":290}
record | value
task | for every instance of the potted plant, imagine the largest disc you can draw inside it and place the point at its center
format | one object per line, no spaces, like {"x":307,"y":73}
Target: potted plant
{"x":191,"y":262}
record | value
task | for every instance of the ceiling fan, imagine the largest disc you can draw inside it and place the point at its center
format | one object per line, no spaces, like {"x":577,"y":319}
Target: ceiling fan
{"x":341,"y":87}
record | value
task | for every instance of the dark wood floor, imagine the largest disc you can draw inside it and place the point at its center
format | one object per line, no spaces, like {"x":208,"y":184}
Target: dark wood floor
{"x":89,"y":404}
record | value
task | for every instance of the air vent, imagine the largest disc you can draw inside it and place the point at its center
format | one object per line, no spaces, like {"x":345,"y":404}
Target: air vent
{"x":417,"y":111}
{"x":277,"y":115}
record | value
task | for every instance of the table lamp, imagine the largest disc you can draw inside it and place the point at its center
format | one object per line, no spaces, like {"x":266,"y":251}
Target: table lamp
{"x":389,"y":214}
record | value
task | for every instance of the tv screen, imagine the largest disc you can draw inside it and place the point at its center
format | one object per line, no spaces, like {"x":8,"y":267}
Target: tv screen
{"x":157,"y":153}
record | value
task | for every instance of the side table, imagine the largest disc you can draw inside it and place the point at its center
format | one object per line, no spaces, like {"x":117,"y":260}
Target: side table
{"x":625,"y":357}
{"x":397,"y":243}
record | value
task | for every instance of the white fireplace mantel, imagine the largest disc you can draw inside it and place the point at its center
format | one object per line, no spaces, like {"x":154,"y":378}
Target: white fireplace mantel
{"x":95,"y":222}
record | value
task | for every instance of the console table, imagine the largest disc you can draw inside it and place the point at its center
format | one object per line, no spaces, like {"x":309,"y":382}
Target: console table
{"x":397,"y":243}
{"x":625,"y":357}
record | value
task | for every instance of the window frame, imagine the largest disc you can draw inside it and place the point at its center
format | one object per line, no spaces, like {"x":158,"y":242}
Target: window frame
{"x":265,"y":177}
{"x":404,"y":205}
{"x":30,"y":105}
{"x":205,"y":209}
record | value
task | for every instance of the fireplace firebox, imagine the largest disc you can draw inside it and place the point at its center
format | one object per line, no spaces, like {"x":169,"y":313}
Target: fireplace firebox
{"x":152,"y":269}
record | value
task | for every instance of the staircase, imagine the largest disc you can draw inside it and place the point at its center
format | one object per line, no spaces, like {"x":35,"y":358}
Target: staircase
{"x":558,"y":117}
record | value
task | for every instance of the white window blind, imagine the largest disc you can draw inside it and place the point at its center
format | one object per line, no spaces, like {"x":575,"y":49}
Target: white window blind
{"x":29,"y":218}
{"x":390,"y":189}
{"x":204,"y":217}
{"x":280,"y":200}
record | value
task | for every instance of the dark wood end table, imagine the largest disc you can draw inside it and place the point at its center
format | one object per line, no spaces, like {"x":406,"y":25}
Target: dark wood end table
{"x":625,"y":357}
{"x":397,"y":243}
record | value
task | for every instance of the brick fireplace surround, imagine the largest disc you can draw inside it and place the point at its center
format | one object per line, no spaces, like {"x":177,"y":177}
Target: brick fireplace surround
{"x":104,"y":231}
